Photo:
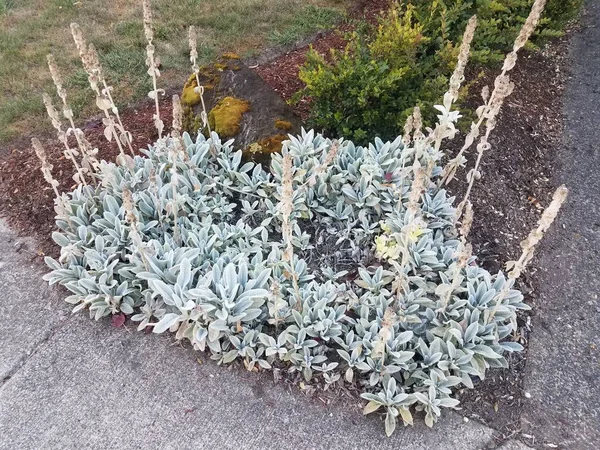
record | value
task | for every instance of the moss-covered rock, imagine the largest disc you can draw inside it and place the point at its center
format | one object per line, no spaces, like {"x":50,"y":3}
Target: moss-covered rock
{"x":226,"y":116}
{"x":283,"y":125}
{"x":189,"y":97}
{"x":262,"y":150}
{"x":240,"y":105}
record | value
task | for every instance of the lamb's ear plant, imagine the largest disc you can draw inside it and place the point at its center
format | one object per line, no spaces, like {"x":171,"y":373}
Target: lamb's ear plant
{"x":339,"y":264}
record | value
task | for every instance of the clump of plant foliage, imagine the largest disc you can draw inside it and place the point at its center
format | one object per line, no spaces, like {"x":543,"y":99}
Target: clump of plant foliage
{"x":370,"y":87}
{"x":339,"y":263}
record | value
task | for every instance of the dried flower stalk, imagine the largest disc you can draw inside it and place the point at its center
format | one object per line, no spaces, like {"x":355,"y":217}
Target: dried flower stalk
{"x":320,"y":169}
{"x":408,"y":128}
{"x":528,"y":245}
{"x":489,"y":111}
{"x":286,"y":207}
{"x":46,"y":166}
{"x":445,"y":128}
{"x":416,"y":190}
{"x":463,"y":254}
{"x":69,"y":152}
{"x":88,"y":154}
{"x":131,"y":218}
{"x":104,"y":101}
{"x":177,"y":126}
{"x":153,"y":65}
{"x":192,"y":40}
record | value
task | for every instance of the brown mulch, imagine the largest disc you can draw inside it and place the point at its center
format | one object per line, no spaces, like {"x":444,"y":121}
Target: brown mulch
{"x":516,"y":185}
{"x":26,"y":200}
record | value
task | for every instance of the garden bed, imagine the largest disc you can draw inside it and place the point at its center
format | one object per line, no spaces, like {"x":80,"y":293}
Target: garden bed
{"x":515,"y":187}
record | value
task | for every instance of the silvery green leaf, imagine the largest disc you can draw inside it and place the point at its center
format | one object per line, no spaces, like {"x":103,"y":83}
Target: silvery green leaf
{"x":60,"y":239}
{"x":167,"y":321}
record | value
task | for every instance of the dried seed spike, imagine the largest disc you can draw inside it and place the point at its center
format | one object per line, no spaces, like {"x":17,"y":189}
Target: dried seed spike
{"x":503,"y":87}
{"x":148,"y":32}
{"x":416,"y":190}
{"x":467,"y":221}
{"x":78,"y":38}
{"x":151,"y":62}
{"x":329,"y":158}
{"x":528,"y":245}
{"x":535,"y":236}
{"x":463,"y":56}
{"x":417,"y":123}
{"x":286,"y":207}
{"x":177,"y":114}
{"x":62,"y":137}
{"x":408,"y":128}
{"x":56,"y":78}
{"x":53,"y":114}
{"x":104,"y":101}
{"x":129,"y":206}
{"x":46,"y":166}
{"x":192,"y":41}
{"x":530,"y":24}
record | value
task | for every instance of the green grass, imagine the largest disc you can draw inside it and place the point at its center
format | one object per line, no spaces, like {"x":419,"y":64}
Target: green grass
{"x":308,"y":21}
{"x":30,"y":30}
{"x":6,"y":6}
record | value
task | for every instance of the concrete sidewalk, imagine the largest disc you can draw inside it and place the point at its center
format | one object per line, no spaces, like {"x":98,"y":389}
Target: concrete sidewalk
{"x":75,"y":383}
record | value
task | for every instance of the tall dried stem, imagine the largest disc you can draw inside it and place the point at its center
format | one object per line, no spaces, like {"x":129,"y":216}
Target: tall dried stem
{"x":69,"y":152}
{"x":46,"y":166}
{"x":286,"y":207}
{"x":528,"y":245}
{"x":131,"y":217}
{"x":463,"y":254}
{"x":199,"y":89}
{"x":91,"y":64}
{"x":445,"y":128}
{"x":153,"y":65}
{"x":88,"y":154}
{"x":489,"y":111}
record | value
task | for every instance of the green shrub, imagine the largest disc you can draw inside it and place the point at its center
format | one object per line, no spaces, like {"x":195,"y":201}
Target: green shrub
{"x":370,"y":87}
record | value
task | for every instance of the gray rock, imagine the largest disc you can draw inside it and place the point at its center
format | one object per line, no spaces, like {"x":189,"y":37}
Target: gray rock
{"x":231,"y":78}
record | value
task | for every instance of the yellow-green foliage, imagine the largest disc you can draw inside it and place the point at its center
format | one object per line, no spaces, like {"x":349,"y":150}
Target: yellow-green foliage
{"x":226,"y":116}
{"x":283,"y":125}
{"x":374,"y":83}
{"x":370,"y":87}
